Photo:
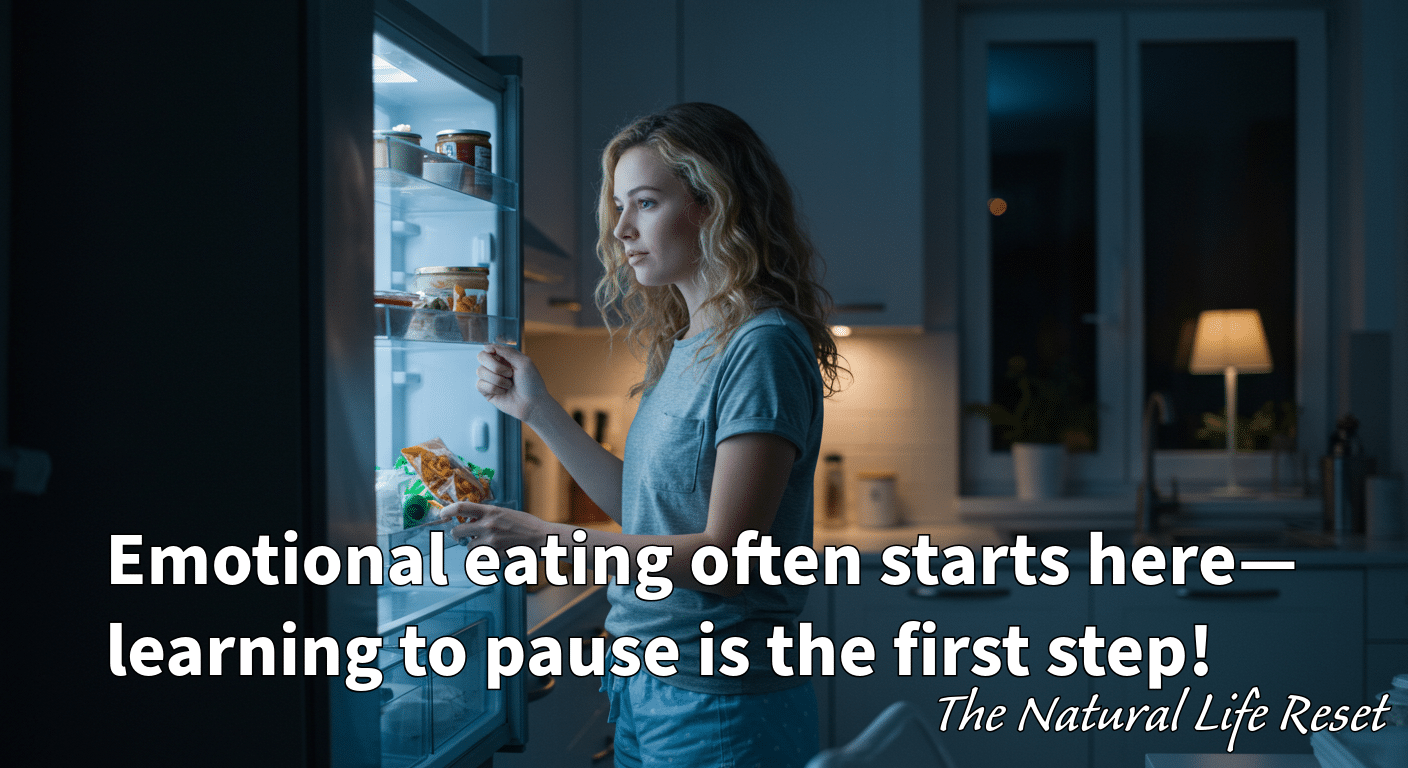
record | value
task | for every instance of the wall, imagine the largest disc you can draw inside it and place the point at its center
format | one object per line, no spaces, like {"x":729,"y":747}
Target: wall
{"x":895,"y":414}
{"x":1368,"y":107}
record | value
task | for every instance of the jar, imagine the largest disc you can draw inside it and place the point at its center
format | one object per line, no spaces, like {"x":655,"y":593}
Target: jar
{"x":393,"y":312}
{"x":395,"y":155}
{"x":473,"y":283}
{"x":875,"y":492}
{"x":463,"y":290}
{"x":470,"y":147}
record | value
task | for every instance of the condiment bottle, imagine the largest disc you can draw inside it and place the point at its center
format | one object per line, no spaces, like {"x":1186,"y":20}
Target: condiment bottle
{"x":833,"y":510}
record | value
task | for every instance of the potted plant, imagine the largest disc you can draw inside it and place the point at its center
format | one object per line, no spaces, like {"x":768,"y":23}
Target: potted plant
{"x":1048,"y":418}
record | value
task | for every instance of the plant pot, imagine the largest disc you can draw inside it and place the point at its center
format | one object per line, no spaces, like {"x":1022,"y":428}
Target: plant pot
{"x":1040,"y":469}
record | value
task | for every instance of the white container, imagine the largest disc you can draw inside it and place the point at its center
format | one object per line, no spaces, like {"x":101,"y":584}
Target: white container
{"x":1040,"y":469}
{"x":875,"y":497}
{"x":1383,"y":510}
{"x":448,"y":175}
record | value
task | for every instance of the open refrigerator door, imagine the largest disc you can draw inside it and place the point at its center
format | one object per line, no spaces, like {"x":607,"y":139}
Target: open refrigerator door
{"x":447,"y":276}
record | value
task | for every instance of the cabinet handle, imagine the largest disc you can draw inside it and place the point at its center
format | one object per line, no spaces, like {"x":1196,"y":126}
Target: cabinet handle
{"x":542,"y":690}
{"x":925,"y":592}
{"x":1228,"y":594}
{"x":608,"y":751}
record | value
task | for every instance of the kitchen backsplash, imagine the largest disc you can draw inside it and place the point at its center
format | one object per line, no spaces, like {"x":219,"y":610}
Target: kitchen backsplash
{"x":897,"y":413}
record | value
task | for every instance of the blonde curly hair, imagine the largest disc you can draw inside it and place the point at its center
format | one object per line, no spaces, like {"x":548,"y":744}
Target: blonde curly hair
{"x":755,"y":253}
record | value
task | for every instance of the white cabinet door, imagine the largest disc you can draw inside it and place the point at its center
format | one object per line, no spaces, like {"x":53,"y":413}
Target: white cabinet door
{"x":1286,"y":633}
{"x":834,"y":89}
{"x":877,"y":611}
{"x":1386,"y":604}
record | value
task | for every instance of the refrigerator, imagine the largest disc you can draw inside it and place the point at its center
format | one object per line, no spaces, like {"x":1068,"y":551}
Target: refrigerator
{"x":234,"y":383}
{"x":444,"y":210}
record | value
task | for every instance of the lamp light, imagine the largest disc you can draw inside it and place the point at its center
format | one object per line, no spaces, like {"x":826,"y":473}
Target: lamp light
{"x":1229,"y":341}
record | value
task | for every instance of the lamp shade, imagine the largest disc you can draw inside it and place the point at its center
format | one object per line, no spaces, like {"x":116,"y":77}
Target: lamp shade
{"x":1230,"y":338}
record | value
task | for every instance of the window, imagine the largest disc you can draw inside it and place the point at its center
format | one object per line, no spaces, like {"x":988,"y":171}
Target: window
{"x":1123,"y":172}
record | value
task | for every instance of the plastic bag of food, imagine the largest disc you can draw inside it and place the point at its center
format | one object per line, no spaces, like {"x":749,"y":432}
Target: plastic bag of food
{"x":447,"y":478}
{"x":390,"y":499}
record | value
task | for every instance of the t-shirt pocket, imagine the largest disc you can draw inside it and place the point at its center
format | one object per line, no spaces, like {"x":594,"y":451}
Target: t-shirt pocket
{"x":674,"y":455}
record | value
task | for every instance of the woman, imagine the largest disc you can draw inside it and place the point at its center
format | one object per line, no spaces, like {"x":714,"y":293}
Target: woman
{"x":709,"y":271}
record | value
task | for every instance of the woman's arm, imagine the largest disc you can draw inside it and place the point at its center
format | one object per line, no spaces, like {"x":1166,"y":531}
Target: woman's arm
{"x":510,"y":382}
{"x":750,"y":475}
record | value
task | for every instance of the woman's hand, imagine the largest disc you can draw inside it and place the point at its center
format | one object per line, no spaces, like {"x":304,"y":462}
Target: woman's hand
{"x":498,"y":527}
{"x":510,"y":382}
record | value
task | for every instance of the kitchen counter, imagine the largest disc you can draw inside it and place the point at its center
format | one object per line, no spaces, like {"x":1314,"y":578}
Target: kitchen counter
{"x":1307,"y":548}
{"x":552,"y":604}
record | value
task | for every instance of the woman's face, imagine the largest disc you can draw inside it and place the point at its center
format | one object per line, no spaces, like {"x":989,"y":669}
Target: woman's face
{"x":659,"y":220}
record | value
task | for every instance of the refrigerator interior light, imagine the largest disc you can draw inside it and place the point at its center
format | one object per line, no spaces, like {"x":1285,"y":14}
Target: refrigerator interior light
{"x":384,"y":71}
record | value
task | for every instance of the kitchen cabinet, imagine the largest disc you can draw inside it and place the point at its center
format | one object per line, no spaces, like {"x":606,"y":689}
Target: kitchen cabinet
{"x":877,"y":611}
{"x":1297,"y":632}
{"x":546,"y":37}
{"x":1386,"y":624}
{"x":833,"y":88}
{"x":567,"y":725}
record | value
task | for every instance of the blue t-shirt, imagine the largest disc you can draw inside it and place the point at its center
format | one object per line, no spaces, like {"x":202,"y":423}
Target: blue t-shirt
{"x":765,"y":380}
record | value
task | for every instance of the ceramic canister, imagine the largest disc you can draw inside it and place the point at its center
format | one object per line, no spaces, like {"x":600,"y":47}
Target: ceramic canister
{"x":875,"y":500}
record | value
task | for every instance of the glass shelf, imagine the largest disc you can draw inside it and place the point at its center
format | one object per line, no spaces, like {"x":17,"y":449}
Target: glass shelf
{"x":419,"y":180}
{"x":404,"y":326}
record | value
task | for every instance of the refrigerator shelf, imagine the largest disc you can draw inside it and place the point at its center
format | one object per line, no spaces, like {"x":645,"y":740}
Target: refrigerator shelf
{"x":443,"y":183}
{"x":405,"y":326}
{"x":413,"y":605}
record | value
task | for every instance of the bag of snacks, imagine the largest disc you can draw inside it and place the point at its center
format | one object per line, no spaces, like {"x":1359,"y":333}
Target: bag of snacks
{"x":443,"y":478}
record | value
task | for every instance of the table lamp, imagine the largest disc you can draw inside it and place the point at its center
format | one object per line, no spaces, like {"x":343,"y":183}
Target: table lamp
{"x":1229,"y":341}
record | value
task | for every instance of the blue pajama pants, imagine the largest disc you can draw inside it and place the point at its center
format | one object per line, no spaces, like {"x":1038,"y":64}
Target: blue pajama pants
{"x":658,"y":724}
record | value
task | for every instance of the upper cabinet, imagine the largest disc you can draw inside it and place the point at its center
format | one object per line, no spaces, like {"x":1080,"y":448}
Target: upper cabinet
{"x":833,"y":88}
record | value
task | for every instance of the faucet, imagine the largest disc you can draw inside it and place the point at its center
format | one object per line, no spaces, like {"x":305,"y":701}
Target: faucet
{"x":1146,"y":514}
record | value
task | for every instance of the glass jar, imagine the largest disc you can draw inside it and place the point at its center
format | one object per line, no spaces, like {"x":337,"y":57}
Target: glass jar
{"x":464,"y":290}
{"x":473,"y":283}
{"x":471,"y":147}
{"x":393,"y":154}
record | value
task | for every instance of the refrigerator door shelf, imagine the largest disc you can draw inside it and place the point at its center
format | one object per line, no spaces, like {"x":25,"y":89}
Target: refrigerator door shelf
{"x":428,"y":718}
{"x":446,"y":184}
{"x":411,"y":605}
{"x":398,"y":326}
{"x":419,"y":536}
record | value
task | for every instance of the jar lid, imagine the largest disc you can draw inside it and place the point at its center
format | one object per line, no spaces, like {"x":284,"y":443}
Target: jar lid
{"x":458,"y":131}
{"x":452,"y":270}
{"x":398,"y":134}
